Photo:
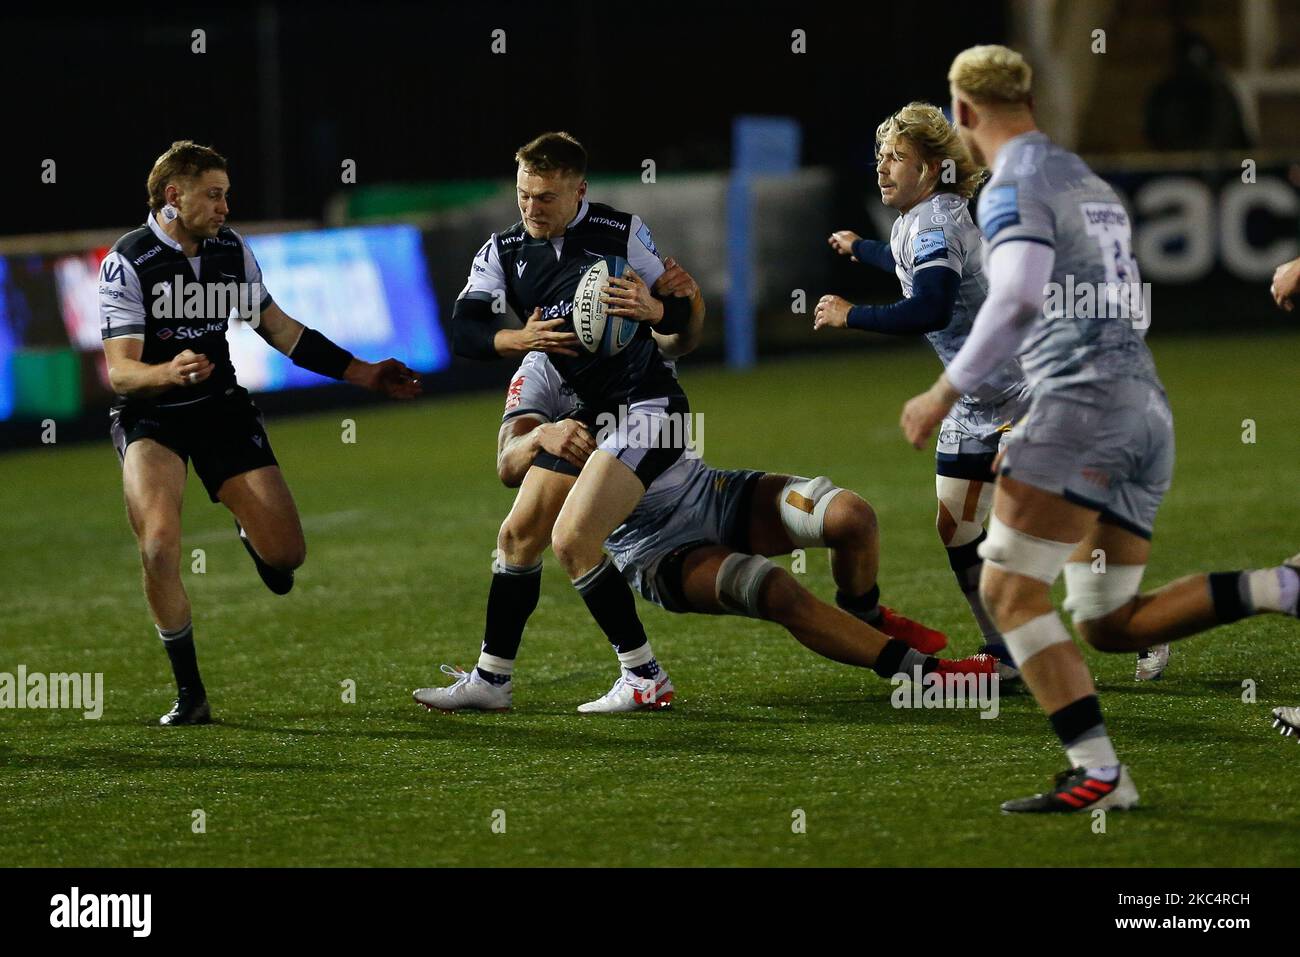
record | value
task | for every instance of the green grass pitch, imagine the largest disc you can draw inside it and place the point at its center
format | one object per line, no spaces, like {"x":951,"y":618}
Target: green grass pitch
{"x":400,"y":529}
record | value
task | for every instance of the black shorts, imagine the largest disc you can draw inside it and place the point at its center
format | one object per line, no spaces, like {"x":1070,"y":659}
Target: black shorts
{"x":224,"y":435}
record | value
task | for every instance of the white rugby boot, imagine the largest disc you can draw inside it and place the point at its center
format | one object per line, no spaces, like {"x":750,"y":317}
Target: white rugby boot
{"x":469,"y":692}
{"x":1151,"y":663}
{"x":631,"y":693}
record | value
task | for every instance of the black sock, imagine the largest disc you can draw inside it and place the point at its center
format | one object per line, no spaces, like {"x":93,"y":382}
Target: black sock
{"x":1077,"y":720}
{"x":898,"y":657}
{"x":179,"y":645}
{"x":511,"y":599}
{"x":610,"y":601}
{"x":1225,"y":592}
{"x":865,"y":606}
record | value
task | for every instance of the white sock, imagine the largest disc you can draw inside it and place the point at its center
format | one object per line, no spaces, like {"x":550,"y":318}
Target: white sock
{"x":1273,"y":589}
{"x":498,"y":666}
{"x":636,"y":658}
{"x":1093,"y":753}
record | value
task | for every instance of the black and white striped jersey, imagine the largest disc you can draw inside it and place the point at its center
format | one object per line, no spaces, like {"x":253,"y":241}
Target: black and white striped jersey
{"x":513,"y":269}
{"x":151,"y":291}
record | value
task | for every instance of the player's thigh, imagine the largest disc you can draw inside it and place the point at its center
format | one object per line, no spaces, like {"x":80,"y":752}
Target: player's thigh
{"x":153,"y":485}
{"x":1040,"y":513}
{"x":262,"y":503}
{"x":603,"y":496}
{"x":767,"y":532}
{"x":537,"y":505}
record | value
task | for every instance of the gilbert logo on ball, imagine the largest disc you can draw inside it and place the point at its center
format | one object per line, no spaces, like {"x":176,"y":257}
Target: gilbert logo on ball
{"x":597,"y":330}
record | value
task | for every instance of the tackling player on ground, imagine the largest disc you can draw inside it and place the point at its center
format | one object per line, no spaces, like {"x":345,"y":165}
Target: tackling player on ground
{"x":927,"y":175}
{"x":177,"y":398}
{"x":699,"y":541}
{"x":1084,"y":473}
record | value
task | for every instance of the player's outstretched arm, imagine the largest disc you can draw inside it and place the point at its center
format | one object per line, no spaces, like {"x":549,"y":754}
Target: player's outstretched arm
{"x":129,"y":376}
{"x":677,"y":282}
{"x":869,"y":252}
{"x":522,"y":437}
{"x":312,"y":351}
{"x":928,"y":309}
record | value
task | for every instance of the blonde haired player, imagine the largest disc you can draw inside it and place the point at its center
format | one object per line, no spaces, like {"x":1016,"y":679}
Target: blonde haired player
{"x":927,"y":175}
{"x":1087,"y":467}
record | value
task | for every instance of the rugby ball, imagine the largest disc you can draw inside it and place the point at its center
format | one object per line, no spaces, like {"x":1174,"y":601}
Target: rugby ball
{"x":598,"y":331}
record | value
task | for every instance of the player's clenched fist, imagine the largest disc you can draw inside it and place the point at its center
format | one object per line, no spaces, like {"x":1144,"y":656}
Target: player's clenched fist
{"x":567,"y":439}
{"x":188,"y":368}
{"x":676,"y":281}
{"x":832,"y":312}
{"x":842,"y":242}
{"x":1286,"y":284}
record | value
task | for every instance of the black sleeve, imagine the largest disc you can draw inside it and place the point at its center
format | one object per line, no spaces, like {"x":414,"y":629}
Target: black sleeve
{"x":677,"y":315}
{"x":934,"y":291}
{"x":473,"y":328}
{"x":873,"y":252}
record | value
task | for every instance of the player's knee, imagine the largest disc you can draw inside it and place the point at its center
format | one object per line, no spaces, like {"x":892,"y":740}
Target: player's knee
{"x":572,"y":549}
{"x":160,"y":550}
{"x":963,"y":509}
{"x":1005,"y":594}
{"x":288,"y":555}
{"x":519,"y":543}
{"x":850,"y":521}
{"x":804,"y":504}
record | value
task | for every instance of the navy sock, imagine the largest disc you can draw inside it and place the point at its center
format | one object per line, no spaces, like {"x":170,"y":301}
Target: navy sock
{"x":511,"y":600}
{"x":179,"y":645}
{"x":610,"y":601}
{"x":865,"y":606}
{"x":1077,"y":720}
{"x":1225,"y":592}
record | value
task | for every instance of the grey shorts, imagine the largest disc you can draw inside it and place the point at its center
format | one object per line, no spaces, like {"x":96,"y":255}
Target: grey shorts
{"x":712,"y":510}
{"x":1107,"y":445}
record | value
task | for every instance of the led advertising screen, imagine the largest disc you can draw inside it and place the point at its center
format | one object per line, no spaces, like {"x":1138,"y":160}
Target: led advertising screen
{"x":365,"y":288}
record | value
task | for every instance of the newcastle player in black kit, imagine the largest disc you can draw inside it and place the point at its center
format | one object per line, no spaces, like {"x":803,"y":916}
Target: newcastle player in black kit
{"x":166,"y":291}
{"x":534,"y":267}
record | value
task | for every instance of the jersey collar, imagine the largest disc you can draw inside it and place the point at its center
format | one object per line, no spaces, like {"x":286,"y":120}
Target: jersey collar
{"x":162,"y":236}
{"x":582,"y":212}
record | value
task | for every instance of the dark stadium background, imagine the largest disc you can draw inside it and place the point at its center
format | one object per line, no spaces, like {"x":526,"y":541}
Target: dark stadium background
{"x":412,"y":91}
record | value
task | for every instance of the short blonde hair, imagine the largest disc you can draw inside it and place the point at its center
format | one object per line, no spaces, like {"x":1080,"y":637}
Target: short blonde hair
{"x":992,"y":75}
{"x":926,"y":128}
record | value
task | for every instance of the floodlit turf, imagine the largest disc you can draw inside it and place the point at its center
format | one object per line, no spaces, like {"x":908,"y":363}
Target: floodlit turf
{"x":400,"y":529}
